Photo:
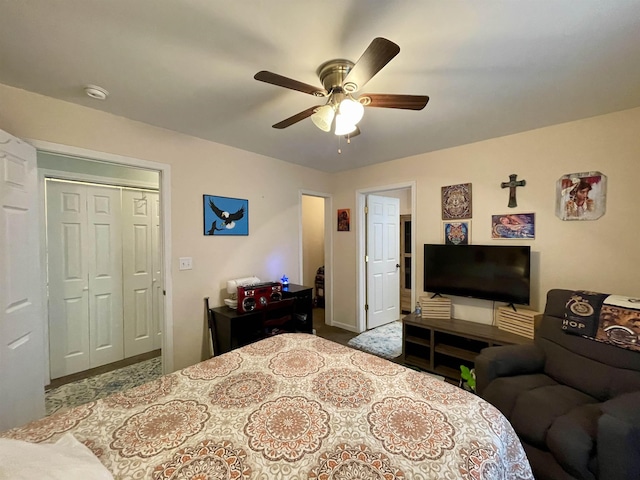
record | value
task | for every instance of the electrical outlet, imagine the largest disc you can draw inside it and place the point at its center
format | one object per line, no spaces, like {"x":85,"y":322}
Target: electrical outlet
{"x":186,"y":263}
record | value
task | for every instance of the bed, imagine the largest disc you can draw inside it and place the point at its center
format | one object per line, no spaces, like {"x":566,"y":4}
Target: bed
{"x":292,"y":406}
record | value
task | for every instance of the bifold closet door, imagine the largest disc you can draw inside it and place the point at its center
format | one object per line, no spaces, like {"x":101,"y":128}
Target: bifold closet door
{"x":158,"y":284}
{"x":137,"y":250}
{"x":84,"y":277}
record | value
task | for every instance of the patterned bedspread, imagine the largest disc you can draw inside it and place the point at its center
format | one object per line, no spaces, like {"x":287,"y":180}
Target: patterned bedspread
{"x":293,"y":406}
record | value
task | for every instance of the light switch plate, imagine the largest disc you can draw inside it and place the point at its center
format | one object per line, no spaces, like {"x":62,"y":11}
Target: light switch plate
{"x":186,"y":263}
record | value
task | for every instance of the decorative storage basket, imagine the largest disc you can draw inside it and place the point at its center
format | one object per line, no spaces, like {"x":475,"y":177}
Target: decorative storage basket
{"x":438,"y":307}
{"x":521,"y":322}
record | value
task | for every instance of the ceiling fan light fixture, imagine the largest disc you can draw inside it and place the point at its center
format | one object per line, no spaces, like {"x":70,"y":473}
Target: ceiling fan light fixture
{"x":350,"y":87}
{"x":343,"y":125}
{"x":323,"y":117}
{"x":352,"y":110}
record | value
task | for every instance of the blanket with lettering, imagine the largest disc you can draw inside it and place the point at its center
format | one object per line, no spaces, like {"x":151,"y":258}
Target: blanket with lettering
{"x":613,"y":319}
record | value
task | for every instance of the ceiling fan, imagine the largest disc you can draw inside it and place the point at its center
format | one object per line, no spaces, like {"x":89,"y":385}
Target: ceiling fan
{"x":341,"y":79}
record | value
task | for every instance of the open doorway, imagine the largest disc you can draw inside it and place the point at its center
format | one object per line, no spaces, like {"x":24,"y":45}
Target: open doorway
{"x":405,"y":263}
{"x":406,"y":193}
{"x":315,"y":253}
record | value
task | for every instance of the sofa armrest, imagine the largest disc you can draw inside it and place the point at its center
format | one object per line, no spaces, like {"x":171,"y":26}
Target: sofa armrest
{"x":508,"y":360}
{"x":619,"y":437}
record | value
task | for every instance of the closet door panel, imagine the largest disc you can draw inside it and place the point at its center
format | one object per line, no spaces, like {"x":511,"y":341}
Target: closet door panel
{"x":105,"y":275}
{"x":67,"y":249}
{"x":137,"y":272}
{"x":143,"y":323}
{"x":157,"y":282}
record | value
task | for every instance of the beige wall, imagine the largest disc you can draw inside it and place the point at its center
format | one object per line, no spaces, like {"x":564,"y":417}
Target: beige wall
{"x":312,"y":238}
{"x":404,"y":195}
{"x":197,"y":167}
{"x":601,"y":255}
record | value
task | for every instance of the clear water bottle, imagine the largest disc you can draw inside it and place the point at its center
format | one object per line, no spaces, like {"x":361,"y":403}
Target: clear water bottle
{"x":418,"y":309}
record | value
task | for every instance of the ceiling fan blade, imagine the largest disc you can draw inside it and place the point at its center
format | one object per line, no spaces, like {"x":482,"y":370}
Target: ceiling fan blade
{"x":383,"y":100}
{"x":280,"y":81}
{"x":377,"y":55}
{"x":296,"y":118}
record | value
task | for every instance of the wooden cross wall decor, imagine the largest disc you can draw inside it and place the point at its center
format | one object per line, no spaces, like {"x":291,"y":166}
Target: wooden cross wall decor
{"x":512,"y":184}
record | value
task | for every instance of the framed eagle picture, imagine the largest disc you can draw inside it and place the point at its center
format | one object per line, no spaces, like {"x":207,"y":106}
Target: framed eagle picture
{"x":225,"y":216}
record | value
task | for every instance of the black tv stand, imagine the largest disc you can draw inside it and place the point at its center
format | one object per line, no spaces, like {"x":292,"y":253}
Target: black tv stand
{"x":436,"y":295}
{"x":512,"y":306}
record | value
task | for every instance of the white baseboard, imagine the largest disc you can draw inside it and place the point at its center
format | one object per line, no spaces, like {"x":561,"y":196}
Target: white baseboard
{"x":344,"y":326}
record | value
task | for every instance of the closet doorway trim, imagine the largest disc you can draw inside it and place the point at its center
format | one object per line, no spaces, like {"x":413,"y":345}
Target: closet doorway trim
{"x":165,"y":202}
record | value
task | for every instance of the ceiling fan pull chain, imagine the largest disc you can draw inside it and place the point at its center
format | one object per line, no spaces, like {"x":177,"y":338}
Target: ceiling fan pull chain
{"x":339,"y":149}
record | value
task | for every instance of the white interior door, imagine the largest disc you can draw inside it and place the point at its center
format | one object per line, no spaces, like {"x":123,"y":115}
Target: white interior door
{"x":138,"y":272}
{"x":158,"y":283}
{"x":85,"y":277}
{"x":383,"y":266}
{"x":21,"y":317}
{"x":68,"y":278}
{"x":105,"y":275}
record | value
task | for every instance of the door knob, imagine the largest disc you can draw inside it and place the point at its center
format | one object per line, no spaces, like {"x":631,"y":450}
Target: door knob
{"x":397,"y":265}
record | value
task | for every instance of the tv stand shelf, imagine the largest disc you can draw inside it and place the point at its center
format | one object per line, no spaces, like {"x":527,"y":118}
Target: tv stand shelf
{"x":441,"y":346}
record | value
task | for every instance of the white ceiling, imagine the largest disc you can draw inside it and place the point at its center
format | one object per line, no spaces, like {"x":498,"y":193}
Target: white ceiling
{"x":491,"y":68}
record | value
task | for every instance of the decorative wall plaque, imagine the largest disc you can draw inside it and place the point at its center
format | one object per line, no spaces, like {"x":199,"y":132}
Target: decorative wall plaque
{"x":456,"y":201}
{"x":456,"y":233}
{"x":581,"y":196}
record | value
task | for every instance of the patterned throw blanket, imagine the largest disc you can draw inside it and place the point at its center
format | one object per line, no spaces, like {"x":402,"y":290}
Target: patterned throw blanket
{"x":612,"y":319}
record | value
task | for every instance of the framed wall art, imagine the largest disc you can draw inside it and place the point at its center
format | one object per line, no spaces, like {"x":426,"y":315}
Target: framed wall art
{"x":225,"y":216}
{"x":344,"y":219}
{"x":456,"y":201}
{"x":513,"y":226}
{"x":456,"y":233}
{"x":581,"y":196}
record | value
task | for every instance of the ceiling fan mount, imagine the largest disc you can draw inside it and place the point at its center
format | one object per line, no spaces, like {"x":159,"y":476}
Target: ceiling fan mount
{"x":340,"y":79}
{"x":333,"y":73}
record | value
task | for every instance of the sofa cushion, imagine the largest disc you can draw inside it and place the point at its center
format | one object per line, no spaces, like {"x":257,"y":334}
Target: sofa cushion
{"x":579,"y":372}
{"x":572,"y":439}
{"x":503,"y":391}
{"x":536,"y":410}
{"x":594,"y":378}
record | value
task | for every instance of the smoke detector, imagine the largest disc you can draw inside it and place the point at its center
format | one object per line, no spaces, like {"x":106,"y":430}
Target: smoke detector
{"x":95,"y":92}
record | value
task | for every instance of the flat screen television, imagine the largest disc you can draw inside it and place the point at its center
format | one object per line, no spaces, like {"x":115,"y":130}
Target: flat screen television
{"x":491,"y":272}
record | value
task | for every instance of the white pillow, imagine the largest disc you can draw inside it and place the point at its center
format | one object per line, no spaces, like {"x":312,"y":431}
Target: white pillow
{"x":67,"y":459}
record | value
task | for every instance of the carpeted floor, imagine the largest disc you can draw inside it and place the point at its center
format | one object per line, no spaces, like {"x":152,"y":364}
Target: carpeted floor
{"x":92,"y":388}
{"x":384,"y":341}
